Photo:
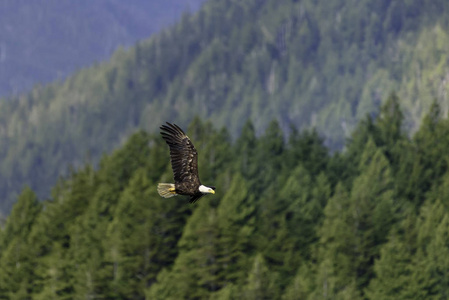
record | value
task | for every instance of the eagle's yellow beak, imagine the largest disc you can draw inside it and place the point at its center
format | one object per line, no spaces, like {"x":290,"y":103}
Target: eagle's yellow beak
{"x":212,"y":191}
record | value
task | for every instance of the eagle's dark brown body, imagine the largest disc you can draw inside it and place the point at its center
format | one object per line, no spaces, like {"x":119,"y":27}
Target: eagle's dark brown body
{"x":184,"y":162}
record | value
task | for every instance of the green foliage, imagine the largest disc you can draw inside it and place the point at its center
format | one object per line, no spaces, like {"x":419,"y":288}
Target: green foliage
{"x":17,"y":260}
{"x":236,"y":219}
{"x":288,"y":220}
{"x":304,"y":63}
{"x":335,"y":271}
{"x":261,"y":283}
{"x":393,"y":271}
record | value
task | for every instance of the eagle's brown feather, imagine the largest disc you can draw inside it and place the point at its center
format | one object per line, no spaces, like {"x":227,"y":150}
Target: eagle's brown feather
{"x":184,"y":161}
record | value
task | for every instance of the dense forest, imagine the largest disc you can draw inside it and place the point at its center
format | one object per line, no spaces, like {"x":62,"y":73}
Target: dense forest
{"x":306,"y":63}
{"x":290,"y":219}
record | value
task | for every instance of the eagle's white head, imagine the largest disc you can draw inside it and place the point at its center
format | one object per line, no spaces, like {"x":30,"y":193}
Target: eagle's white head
{"x":206,"y":190}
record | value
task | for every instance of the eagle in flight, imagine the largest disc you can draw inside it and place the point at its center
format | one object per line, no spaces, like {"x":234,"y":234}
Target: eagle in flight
{"x":184,"y":162}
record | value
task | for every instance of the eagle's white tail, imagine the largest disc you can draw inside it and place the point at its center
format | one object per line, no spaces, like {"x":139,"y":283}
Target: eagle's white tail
{"x":166,"y":190}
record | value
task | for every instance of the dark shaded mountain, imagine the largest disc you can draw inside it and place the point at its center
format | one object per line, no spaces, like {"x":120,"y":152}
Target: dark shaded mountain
{"x":305,"y":63}
{"x":41,"y":41}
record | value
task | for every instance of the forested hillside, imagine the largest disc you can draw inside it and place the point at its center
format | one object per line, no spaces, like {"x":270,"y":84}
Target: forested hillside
{"x":289,"y":220}
{"x":306,"y":63}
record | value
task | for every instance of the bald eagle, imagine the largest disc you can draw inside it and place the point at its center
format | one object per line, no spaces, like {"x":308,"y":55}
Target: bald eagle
{"x":184,"y":162}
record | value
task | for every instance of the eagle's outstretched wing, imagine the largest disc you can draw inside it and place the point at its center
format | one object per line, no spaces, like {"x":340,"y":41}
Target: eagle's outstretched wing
{"x":195,"y":197}
{"x":184,"y":158}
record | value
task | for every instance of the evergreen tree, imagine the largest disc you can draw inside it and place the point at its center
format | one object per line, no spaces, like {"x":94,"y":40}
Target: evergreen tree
{"x":429,"y":162}
{"x":229,"y":292}
{"x":373,"y":210}
{"x":93,"y":275}
{"x":336,"y":272}
{"x":437,"y":261}
{"x":20,"y":221}
{"x":245,"y":147}
{"x":117,"y":169}
{"x":290,"y":220}
{"x":393,"y":271}
{"x":142,"y":237}
{"x":195,"y":272}
{"x":302,"y":284}
{"x":129,"y":245}
{"x":355,"y":146}
{"x":17,"y":263}
{"x":261,"y":283}
{"x":55,"y":275}
{"x":395,"y":265}
{"x":308,"y":149}
{"x":428,"y":278}
{"x":352,"y":238}
{"x":51,"y":237}
{"x":236,"y":222}
{"x":389,"y":125}
{"x":270,"y":150}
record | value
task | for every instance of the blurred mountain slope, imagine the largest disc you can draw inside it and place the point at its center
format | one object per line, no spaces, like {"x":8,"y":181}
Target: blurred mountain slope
{"x":41,"y":41}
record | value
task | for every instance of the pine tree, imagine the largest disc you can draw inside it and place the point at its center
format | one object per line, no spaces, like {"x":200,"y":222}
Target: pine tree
{"x":93,"y":275}
{"x":229,"y":292}
{"x":129,"y":245}
{"x":245,"y":149}
{"x":261,"y":283}
{"x":355,"y":226}
{"x":290,"y":220}
{"x":272,"y":146}
{"x":393,"y":269}
{"x":117,"y":169}
{"x":373,"y":209}
{"x":23,"y":214}
{"x":428,"y":278}
{"x":308,"y":149}
{"x":302,"y":285}
{"x":55,"y":275}
{"x":236,"y":222}
{"x":430,"y":145}
{"x":336,"y":273}
{"x":95,"y":272}
{"x":389,"y":125}
{"x":16,"y":257}
{"x":438,"y":261}
{"x":142,"y":237}
{"x":392,"y":272}
{"x":51,"y":237}
{"x":355,"y":146}
{"x":195,"y":272}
